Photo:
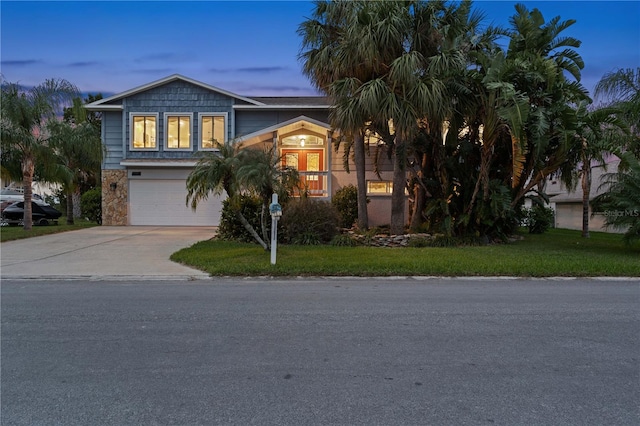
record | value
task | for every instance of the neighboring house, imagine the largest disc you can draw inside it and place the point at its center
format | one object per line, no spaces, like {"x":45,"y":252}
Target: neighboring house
{"x":568,"y":204}
{"x":154,"y":132}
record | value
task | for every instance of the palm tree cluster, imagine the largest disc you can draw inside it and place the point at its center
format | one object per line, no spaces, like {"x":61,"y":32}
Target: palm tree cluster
{"x":473,"y":127}
{"x":36,"y":143}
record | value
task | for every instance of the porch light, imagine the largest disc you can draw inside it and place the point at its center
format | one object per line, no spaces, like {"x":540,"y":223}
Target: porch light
{"x":301,"y":141}
{"x":113,"y":186}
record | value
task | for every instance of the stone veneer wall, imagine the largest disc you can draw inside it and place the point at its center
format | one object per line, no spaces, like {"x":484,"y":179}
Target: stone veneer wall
{"x":114,"y":202}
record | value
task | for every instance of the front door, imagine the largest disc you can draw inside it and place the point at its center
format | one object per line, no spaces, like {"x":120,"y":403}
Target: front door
{"x":308,"y":162}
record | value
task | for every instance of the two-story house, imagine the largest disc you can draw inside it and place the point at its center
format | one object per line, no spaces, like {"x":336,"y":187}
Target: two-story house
{"x":153,"y":133}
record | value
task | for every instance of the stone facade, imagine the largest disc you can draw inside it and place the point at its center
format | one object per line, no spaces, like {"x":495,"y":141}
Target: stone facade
{"x":115,"y":193}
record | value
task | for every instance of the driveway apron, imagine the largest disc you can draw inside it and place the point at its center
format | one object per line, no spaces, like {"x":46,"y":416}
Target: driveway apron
{"x":103,"y":252}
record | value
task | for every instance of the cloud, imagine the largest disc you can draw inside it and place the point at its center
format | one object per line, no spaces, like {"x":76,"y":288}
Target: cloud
{"x":261,"y":69}
{"x":164,"y":57}
{"x":83,"y":64}
{"x":250,"y":70}
{"x":153,"y":71}
{"x":21,"y":62}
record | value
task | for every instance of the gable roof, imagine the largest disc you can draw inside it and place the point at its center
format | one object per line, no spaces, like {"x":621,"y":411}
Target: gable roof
{"x":289,"y":124}
{"x":105,"y":104}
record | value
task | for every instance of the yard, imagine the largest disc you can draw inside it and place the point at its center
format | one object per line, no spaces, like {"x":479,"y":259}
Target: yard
{"x":559,"y":252}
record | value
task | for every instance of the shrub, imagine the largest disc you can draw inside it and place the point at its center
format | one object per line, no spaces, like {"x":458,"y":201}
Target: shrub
{"x":343,"y":240}
{"x":539,"y":219}
{"x":231,"y":229}
{"x":91,"y":205}
{"x":345,"y":201}
{"x":307,"y":221}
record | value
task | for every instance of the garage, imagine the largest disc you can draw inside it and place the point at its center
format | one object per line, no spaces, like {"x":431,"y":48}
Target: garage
{"x":162,"y":201}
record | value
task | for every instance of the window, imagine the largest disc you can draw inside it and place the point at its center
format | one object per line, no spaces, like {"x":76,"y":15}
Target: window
{"x":213,"y":129}
{"x":144,"y":130}
{"x":178,"y":131}
{"x":379,"y":187}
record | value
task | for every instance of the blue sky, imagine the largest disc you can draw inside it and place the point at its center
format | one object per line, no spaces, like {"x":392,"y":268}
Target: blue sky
{"x":246,"y":47}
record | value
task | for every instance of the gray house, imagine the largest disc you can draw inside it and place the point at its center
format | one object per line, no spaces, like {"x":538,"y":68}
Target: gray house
{"x":154,"y":132}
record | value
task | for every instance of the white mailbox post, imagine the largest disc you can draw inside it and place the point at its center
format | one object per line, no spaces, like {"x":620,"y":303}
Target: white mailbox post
{"x":276,"y":212}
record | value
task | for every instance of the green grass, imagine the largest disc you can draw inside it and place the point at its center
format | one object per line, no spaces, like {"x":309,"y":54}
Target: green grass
{"x":557,"y":253}
{"x":9,"y":233}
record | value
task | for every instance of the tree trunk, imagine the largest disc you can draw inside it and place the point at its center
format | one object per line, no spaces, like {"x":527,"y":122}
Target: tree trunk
{"x":28,"y":168}
{"x":419,"y":197}
{"x":77,"y":208}
{"x":69,"y":207}
{"x":250,"y":229}
{"x":586,"y":193}
{"x":363,"y":215}
{"x":398,"y":199}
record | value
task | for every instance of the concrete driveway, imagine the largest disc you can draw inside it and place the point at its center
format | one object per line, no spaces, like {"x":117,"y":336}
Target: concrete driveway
{"x":103,"y":252}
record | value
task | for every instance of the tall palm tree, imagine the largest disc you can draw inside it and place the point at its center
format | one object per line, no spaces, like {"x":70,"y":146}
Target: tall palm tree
{"x":331,"y":51}
{"x":599,"y":131}
{"x":23,"y":119}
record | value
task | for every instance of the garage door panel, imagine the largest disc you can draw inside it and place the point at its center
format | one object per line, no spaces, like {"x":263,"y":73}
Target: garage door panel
{"x":163,"y":202}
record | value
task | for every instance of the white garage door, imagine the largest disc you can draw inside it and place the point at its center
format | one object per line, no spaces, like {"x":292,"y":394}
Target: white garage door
{"x":162,"y":202}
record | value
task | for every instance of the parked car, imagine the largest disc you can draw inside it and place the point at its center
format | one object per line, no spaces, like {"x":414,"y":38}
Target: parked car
{"x":42,"y":213}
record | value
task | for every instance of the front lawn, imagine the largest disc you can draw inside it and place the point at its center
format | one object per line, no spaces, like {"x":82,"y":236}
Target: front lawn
{"x":559,"y":252}
{"x":8,"y":233}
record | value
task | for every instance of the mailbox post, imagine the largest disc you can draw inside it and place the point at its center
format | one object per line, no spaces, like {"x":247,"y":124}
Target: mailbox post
{"x":276,"y":212}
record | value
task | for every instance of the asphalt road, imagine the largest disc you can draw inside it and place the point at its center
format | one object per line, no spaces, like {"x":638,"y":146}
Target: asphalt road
{"x":320,"y":352}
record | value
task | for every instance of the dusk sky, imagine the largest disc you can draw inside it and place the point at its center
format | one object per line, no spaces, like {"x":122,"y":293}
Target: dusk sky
{"x":246,"y":47}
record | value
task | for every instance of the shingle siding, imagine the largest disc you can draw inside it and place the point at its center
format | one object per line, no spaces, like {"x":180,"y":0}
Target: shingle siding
{"x":179,"y":97}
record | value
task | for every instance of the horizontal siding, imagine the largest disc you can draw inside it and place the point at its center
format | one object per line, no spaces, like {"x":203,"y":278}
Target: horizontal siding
{"x":248,"y":122}
{"x":112,"y":139}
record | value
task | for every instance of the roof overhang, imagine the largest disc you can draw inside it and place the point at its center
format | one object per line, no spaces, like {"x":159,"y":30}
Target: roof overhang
{"x":281,"y":107}
{"x":101,"y":105}
{"x":289,"y":126}
{"x":158,"y":163}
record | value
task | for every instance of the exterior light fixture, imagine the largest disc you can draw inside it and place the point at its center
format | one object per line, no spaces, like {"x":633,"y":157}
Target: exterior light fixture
{"x":113,"y":186}
{"x":302,"y":142}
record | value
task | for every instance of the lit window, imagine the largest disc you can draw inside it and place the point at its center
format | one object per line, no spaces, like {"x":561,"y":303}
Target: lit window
{"x":178,"y":131}
{"x":143,"y":135}
{"x":379,"y":187}
{"x":213,"y":129}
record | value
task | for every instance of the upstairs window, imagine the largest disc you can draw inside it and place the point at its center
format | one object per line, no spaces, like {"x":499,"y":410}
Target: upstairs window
{"x":213,"y":129}
{"x":178,"y":131}
{"x":144,"y":131}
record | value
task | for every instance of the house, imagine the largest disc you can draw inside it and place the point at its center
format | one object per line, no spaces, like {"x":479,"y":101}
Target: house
{"x":153,"y":133}
{"x":567,"y":204}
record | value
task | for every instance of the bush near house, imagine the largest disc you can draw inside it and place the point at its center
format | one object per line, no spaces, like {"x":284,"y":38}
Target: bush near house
{"x":345,"y":201}
{"x":91,"y":205}
{"x":308,"y":222}
{"x":231,"y":229}
{"x":539,"y":219}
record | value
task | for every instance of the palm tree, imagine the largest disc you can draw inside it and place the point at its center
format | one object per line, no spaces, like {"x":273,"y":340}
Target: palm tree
{"x":621,"y":201}
{"x":24,"y":114}
{"x":598,"y":132}
{"x":622,"y":89}
{"x":78,"y":155}
{"x":215,"y":173}
{"x":331,"y":51}
{"x":261,"y":172}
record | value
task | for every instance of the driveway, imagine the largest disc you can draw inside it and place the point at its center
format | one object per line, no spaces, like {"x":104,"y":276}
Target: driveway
{"x":103,"y":252}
